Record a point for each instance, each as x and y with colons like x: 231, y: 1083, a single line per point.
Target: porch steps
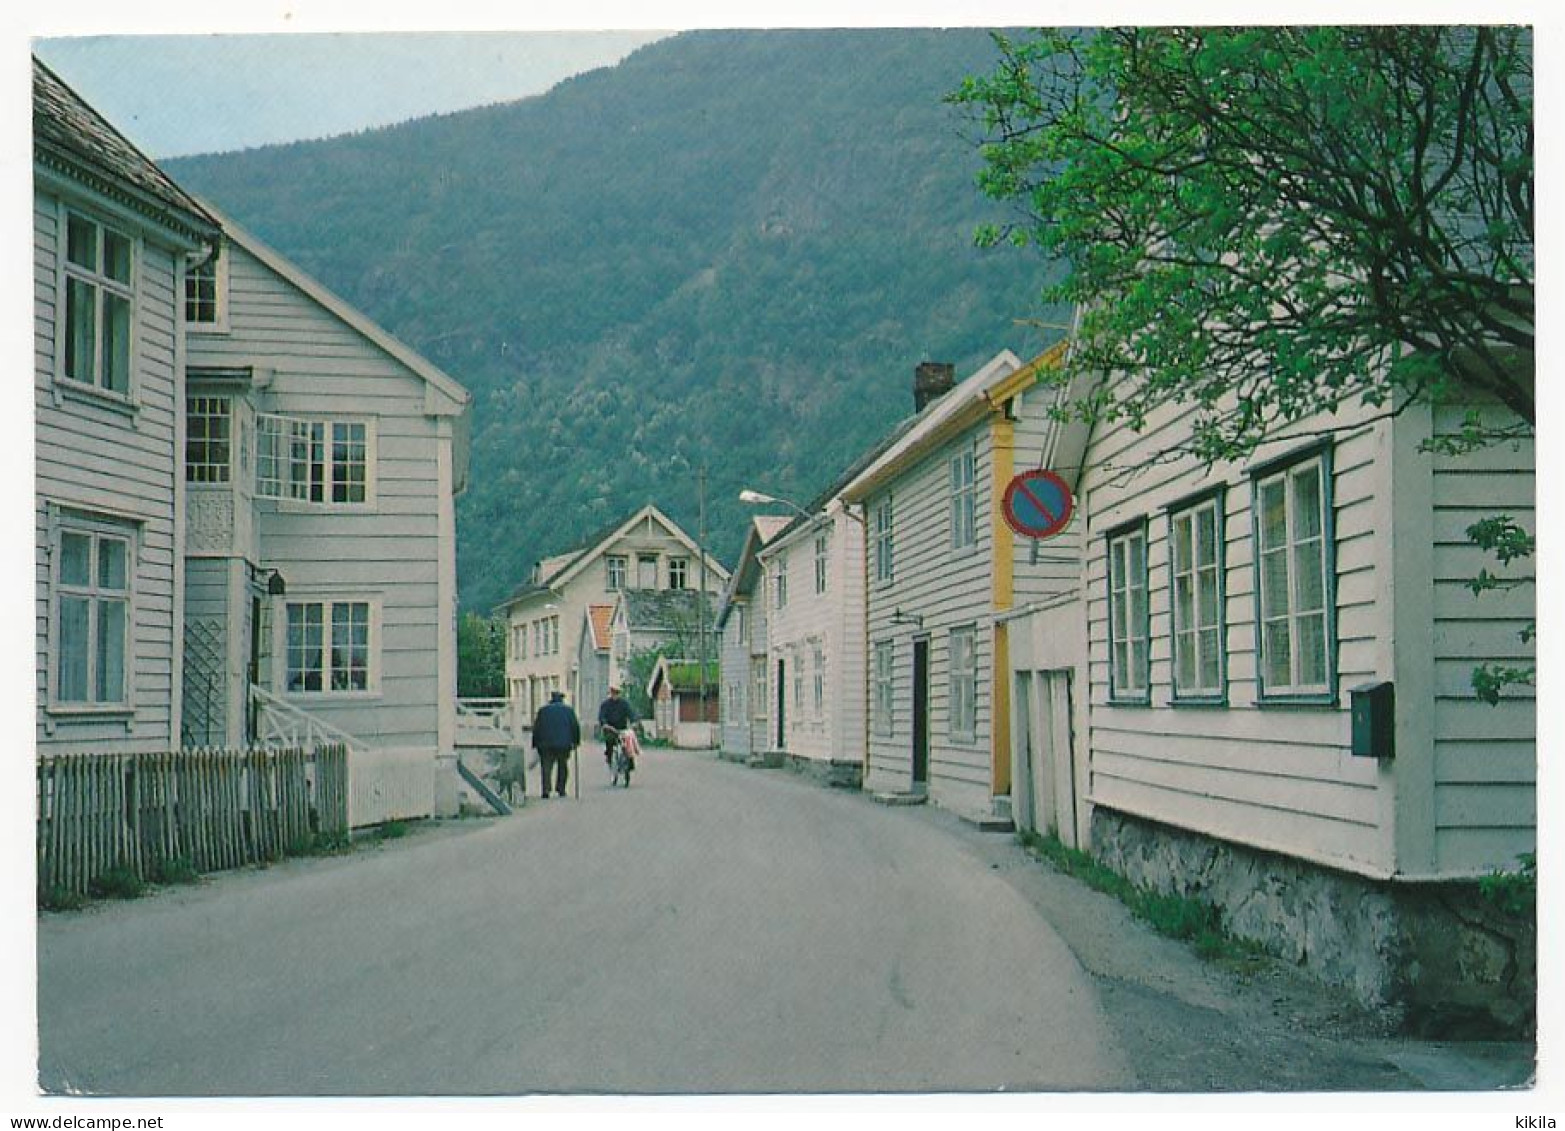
x: 481, y: 787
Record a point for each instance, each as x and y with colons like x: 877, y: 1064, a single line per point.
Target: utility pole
x: 701, y: 597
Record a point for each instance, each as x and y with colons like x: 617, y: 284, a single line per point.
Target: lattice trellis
x: 206, y: 681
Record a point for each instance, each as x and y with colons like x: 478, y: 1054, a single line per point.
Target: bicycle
x: 622, y: 758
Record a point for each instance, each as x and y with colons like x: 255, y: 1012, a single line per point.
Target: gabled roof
x: 958, y: 409
x: 763, y: 528
x: 420, y: 365
x: 588, y: 549
x: 73, y: 139
x: 600, y: 619
x: 684, y: 675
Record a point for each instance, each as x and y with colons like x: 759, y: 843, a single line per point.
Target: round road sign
x: 1038, y: 504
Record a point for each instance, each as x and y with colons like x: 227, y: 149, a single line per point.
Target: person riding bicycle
x: 614, y: 715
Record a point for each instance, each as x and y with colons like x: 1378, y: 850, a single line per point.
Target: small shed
x: 685, y: 702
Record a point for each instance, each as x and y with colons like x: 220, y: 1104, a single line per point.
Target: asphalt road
x: 710, y: 930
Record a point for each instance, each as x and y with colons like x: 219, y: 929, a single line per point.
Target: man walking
x: 614, y: 715
x: 556, y: 732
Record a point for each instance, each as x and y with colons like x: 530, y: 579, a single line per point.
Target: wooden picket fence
x: 209, y: 809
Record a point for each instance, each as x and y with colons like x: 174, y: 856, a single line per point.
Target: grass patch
x: 393, y: 830
x: 59, y: 899
x: 118, y: 883
x: 1194, y: 921
x: 177, y: 870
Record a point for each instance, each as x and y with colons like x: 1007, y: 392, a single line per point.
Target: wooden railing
x: 206, y: 809
x: 281, y: 723
x: 484, y: 722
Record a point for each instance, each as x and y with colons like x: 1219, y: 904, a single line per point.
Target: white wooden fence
x: 390, y: 785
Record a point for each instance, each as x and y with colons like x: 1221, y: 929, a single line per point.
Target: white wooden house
x: 113, y: 240
x: 1188, y: 709
x: 813, y: 580
x: 943, y: 569
x: 593, y: 669
x: 646, y: 551
x: 686, y: 702
x: 322, y: 462
x: 741, y: 626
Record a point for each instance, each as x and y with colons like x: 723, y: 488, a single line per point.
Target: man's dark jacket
x: 556, y: 727
x: 615, y: 713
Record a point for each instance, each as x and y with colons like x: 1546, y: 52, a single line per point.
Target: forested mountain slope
x: 730, y: 250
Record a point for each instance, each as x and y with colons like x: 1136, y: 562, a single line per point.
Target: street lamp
x: 749, y: 496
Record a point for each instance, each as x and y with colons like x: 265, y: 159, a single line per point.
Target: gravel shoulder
x: 1191, y: 1025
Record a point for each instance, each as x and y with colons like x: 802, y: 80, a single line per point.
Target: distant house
x: 113, y: 240
x: 1259, y: 693
x: 322, y: 461
x: 685, y: 702
x: 741, y: 629
x: 676, y: 623
x: 943, y: 569
x: 645, y: 552
x: 593, y: 655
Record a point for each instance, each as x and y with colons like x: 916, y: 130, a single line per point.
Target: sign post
x: 1038, y: 504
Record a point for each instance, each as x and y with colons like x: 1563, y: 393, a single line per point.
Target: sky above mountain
x: 237, y: 91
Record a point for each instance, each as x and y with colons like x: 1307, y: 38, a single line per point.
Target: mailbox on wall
x: 1373, y: 707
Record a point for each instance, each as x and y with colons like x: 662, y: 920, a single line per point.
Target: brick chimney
x: 930, y: 380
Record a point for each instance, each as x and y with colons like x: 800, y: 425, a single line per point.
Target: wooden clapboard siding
x: 391, y: 551
x: 734, y: 661
x: 98, y: 458
x: 948, y: 588
x: 1275, y: 777
x: 835, y: 619
x: 1485, y: 807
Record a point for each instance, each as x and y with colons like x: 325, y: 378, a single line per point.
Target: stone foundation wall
x: 1445, y: 961
x: 833, y: 772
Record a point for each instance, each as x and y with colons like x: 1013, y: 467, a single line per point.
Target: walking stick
x: 576, y: 762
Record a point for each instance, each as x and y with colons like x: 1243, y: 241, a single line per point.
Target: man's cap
x: 556, y: 695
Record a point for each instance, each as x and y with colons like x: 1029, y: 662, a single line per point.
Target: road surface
x: 710, y: 930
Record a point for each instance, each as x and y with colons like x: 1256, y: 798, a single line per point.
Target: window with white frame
x: 964, y: 683
x: 616, y: 564
x: 99, y: 304
x: 818, y: 678
x: 1195, y: 574
x: 884, y: 567
x: 206, y: 306
x: 1129, y: 666
x: 92, y: 615
x: 314, y: 461
x: 758, y: 698
x: 647, y: 571
x: 822, y: 560
x: 781, y: 583
x: 964, y: 493
x: 798, y: 687
x: 678, y: 573
x: 1294, y: 568
x: 881, y: 704
x: 329, y: 646
x: 208, y: 439
x: 519, y: 642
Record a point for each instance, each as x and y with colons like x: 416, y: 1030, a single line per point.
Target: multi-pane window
x: 818, y: 678
x: 964, y: 683
x: 882, y: 540
x: 647, y: 571
x: 1128, y: 616
x: 963, y: 475
x: 208, y: 439
x: 822, y: 553
x: 798, y: 687
x: 758, y: 687
x: 781, y: 583
x: 616, y: 566
x: 1195, y: 573
x: 93, y: 618
x: 99, y: 300
x: 881, y: 704
x: 678, y: 573
x: 328, y: 646
x: 1294, y: 579
x: 203, y: 294
x: 312, y: 461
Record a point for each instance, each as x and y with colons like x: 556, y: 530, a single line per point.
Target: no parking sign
x: 1038, y: 504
